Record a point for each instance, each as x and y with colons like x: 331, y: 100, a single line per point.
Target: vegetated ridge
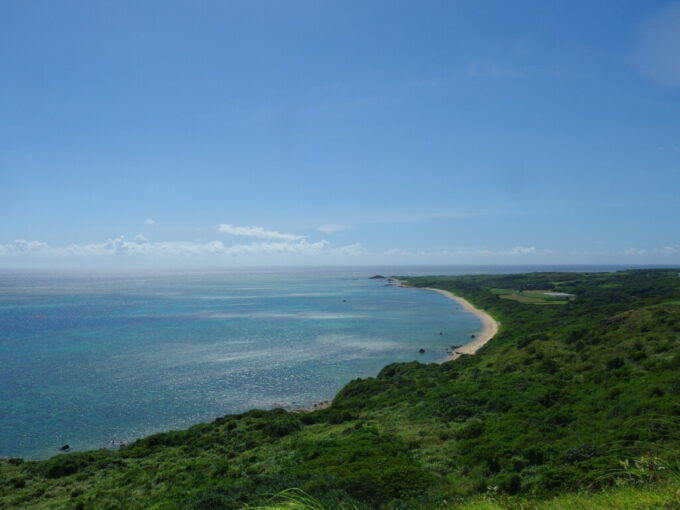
x: 579, y: 395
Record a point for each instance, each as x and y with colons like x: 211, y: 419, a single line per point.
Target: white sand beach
x: 489, y: 325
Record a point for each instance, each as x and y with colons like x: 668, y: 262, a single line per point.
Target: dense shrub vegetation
x: 576, y: 395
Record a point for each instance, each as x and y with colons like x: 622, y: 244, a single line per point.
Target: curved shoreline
x: 489, y: 325
x: 489, y: 330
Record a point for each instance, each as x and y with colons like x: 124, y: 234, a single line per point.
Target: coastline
x: 489, y: 325
x: 489, y: 330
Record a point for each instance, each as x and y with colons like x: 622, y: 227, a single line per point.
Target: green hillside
x: 569, y: 403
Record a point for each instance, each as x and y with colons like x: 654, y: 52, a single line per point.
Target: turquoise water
x: 87, y: 359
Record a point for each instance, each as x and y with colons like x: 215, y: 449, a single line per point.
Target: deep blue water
x: 88, y: 358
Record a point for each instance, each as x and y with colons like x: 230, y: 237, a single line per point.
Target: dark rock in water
x: 422, y: 351
x: 377, y: 277
x: 472, y: 336
x: 65, y: 448
x: 440, y: 333
x: 344, y: 301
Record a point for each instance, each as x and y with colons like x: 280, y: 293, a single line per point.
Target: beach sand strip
x: 489, y: 325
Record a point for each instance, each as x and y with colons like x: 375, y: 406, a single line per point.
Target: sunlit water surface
x: 92, y: 358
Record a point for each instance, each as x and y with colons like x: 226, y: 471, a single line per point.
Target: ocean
x: 90, y: 359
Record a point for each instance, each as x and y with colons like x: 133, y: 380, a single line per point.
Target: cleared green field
x: 534, y: 301
x: 535, y: 297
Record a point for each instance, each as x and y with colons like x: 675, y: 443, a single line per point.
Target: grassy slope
x: 637, y: 498
x: 554, y: 403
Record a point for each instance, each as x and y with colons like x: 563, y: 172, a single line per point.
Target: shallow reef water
x: 91, y: 359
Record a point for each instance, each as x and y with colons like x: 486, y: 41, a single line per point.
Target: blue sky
x: 314, y: 132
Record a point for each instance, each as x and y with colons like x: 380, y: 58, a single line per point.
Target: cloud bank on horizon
x: 293, y: 248
x: 218, y: 250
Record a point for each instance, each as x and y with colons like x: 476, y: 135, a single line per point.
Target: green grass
x: 523, y: 298
x: 631, y: 498
x: 620, y: 498
x: 537, y: 297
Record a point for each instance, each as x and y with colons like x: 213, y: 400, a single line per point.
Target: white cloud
x: 22, y: 246
x: 398, y: 252
x: 150, y: 222
x: 140, y: 245
x: 352, y: 249
x: 462, y: 251
x: 467, y: 252
x: 520, y: 250
x: 330, y: 228
x: 669, y: 250
x: 664, y: 250
x: 586, y: 253
x: 658, y: 46
x: 257, y: 232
